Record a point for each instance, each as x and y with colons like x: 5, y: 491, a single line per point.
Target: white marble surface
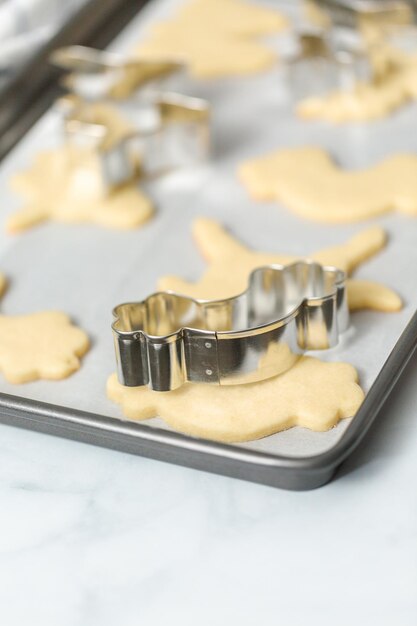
x: 93, y: 537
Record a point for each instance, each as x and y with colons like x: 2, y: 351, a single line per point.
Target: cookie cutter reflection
x: 169, y: 339
x: 120, y: 109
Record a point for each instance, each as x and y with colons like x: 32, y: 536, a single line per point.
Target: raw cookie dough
x: 230, y: 263
x: 312, y: 394
x: 307, y: 181
x: 65, y: 185
x: 369, y: 100
x: 42, y: 345
x: 216, y: 38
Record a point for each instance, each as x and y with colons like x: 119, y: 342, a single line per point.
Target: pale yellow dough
x: 230, y: 263
x: 371, y: 100
x: 308, y: 182
x: 41, y: 345
x: 216, y: 38
x: 312, y: 394
x: 65, y: 185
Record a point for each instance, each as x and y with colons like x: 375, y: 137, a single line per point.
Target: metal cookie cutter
x: 326, y: 60
x: 170, y: 339
x: 353, y: 13
x: 119, y: 108
x: 344, y: 50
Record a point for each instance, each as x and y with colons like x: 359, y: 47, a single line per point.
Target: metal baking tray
x: 85, y: 270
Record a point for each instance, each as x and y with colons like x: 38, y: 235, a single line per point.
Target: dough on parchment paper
x: 44, y: 345
x: 64, y: 184
x: 310, y: 183
x: 312, y: 394
x: 216, y: 38
x: 230, y: 263
x: 371, y: 100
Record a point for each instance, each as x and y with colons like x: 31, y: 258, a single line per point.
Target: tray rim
x: 288, y: 472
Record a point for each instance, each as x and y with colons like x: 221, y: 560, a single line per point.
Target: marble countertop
x: 94, y: 537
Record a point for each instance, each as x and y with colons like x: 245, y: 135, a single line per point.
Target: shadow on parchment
x: 387, y: 435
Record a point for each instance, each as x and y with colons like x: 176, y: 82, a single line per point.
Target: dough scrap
x: 65, y: 185
x: 230, y: 263
x: 41, y: 345
x: 312, y: 394
x: 216, y: 38
x: 369, y: 100
x: 308, y: 182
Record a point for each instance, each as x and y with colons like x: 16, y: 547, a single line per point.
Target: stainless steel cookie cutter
x: 345, y: 49
x: 323, y: 60
x: 352, y: 13
x: 169, y: 339
x: 119, y: 107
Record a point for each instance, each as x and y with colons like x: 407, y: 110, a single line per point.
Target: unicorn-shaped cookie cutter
x: 169, y: 339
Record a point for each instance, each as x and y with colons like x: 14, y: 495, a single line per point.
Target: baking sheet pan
x: 85, y: 270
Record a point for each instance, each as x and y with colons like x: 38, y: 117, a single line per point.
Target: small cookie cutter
x: 338, y: 55
x: 169, y: 339
x: 118, y: 108
x: 351, y: 13
x: 324, y: 60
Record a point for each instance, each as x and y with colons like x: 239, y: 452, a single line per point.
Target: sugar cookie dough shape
x: 307, y: 181
x: 64, y: 185
x: 230, y: 263
x: 312, y: 394
x: 43, y: 345
x: 371, y: 71
x: 216, y: 38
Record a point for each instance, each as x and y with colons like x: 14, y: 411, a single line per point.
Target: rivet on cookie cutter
x: 119, y: 107
x: 170, y: 339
